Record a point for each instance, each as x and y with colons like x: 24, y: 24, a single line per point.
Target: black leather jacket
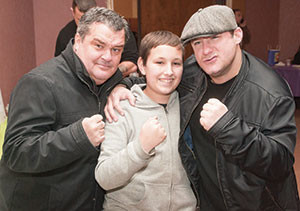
x: 48, y: 162
x: 254, y: 140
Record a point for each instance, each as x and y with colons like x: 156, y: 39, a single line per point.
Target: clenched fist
x: 152, y: 134
x: 212, y: 111
x: 94, y: 129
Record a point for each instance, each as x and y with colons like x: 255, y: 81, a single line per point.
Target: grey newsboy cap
x: 209, y: 21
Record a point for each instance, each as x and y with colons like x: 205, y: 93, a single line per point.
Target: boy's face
x: 163, y: 72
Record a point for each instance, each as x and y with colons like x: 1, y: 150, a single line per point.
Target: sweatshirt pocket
x: 156, y: 197
x: 140, y: 196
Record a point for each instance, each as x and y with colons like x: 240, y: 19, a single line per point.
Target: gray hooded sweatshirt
x: 134, y: 179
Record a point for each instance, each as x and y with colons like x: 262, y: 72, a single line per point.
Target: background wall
x: 262, y: 21
x: 273, y: 24
x: 50, y: 16
x: 17, y: 43
x: 28, y: 34
x: 289, y: 28
x: 169, y: 15
x: 127, y: 8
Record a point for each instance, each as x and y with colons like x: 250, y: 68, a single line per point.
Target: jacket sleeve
x: 130, y: 81
x: 32, y: 145
x: 265, y: 150
x: 120, y: 158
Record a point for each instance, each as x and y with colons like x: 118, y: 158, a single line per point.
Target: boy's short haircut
x: 156, y: 38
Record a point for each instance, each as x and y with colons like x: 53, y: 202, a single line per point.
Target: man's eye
x: 116, y: 50
x: 159, y: 62
x: 99, y: 46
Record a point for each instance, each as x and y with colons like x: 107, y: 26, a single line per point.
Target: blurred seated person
x: 242, y: 23
x: 128, y: 63
x: 296, y: 59
x: 79, y: 7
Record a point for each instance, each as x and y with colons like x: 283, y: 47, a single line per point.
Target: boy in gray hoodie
x: 139, y: 164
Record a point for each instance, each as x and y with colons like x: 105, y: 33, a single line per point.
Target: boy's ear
x: 141, y: 65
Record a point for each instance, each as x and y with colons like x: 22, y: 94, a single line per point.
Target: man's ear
x: 238, y: 35
x: 77, y: 40
x: 73, y: 12
x: 141, y: 65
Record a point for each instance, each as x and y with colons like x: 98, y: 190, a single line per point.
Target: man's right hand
x: 113, y: 102
x: 94, y: 129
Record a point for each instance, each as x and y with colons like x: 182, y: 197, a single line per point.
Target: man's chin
x: 103, y: 77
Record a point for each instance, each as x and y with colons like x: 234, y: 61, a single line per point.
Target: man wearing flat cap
x: 238, y: 115
x: 238, y: 130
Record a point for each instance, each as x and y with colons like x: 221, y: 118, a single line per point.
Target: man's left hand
x: 212, y: 111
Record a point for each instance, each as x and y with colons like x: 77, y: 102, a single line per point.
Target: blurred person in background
x: 296, y: 59
x: 242, y: 23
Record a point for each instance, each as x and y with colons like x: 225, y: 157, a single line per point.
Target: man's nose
x: 107, y: 55
x: 206, y: 48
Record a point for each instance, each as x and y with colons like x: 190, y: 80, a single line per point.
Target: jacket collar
x: 239, y: 79
x: 143, y: 101
x: 78, y: 69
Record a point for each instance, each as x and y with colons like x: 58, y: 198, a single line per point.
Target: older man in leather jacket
x: 56, y: 122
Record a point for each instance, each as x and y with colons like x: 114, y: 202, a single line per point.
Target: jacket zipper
x: 217, y: 169
x: 218, y: 176
x: 165, y: 110
x: 233, y: 87
x: 195, y: 105
x: 190, y: 90
x: 92, y: 91
x: 272, y: 197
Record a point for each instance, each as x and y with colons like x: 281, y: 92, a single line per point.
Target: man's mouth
x: 104, y: 66
x: 210, y: 59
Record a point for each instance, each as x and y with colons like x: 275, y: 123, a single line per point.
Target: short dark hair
x: 102, y: 15
x: 236, y: 10
x: 156, y: 38
x: 83, y: 5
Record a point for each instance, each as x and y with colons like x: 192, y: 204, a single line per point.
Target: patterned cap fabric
x: 209, y: 21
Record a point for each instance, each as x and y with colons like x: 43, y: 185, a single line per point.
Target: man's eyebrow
x: 98, y: 40
x: 120, y: 46
x: 104, y: 43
